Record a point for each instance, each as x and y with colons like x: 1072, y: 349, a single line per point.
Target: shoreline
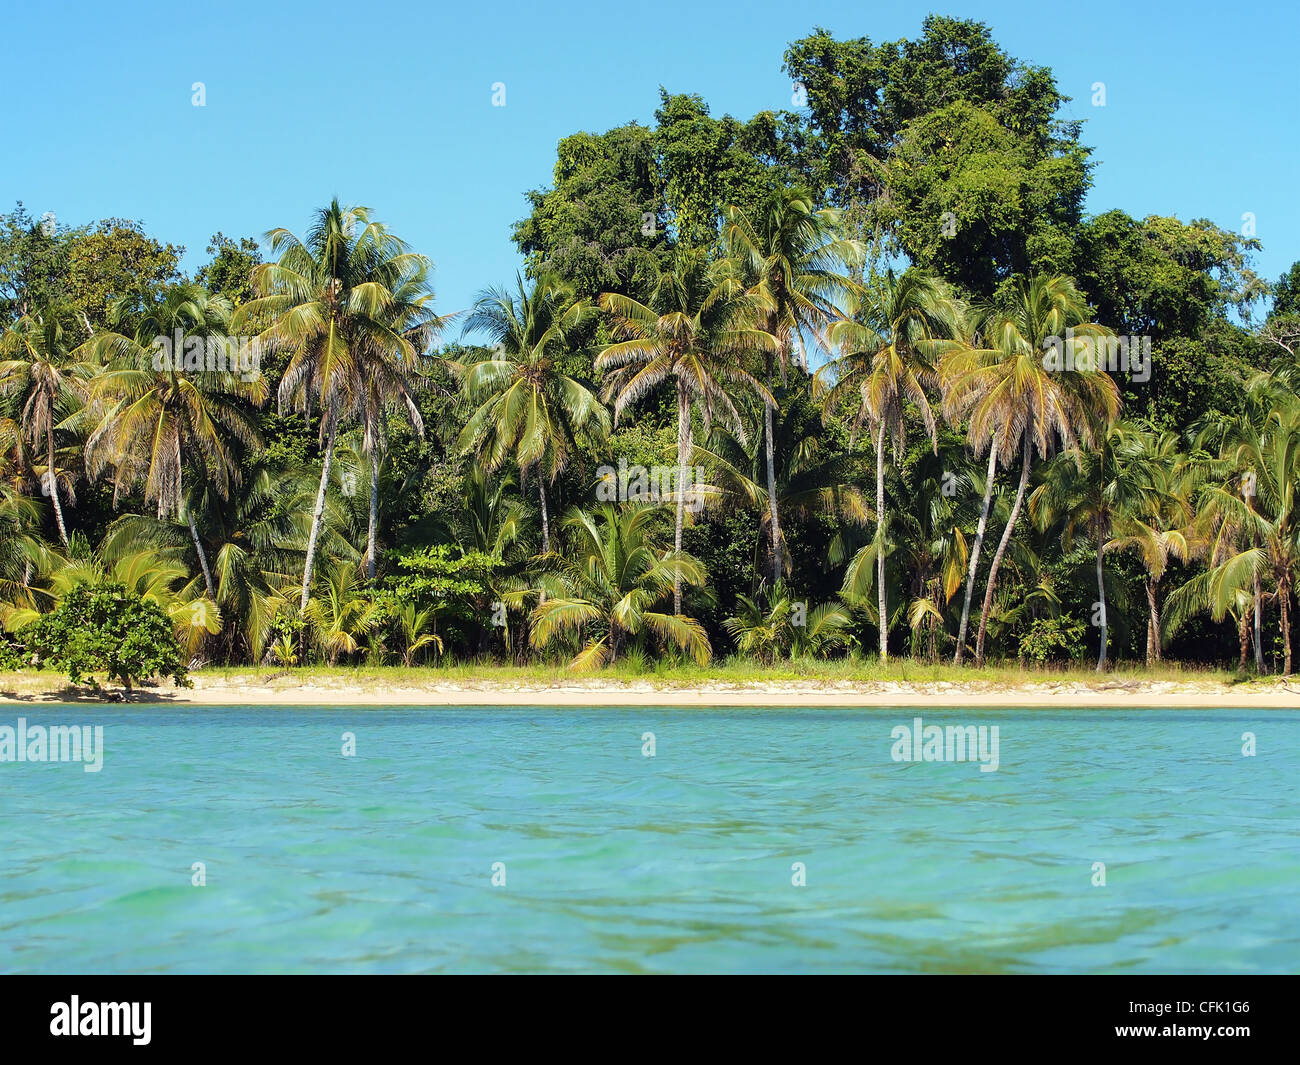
x: 289, y: 692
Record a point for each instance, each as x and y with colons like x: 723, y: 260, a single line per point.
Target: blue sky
x: 389, y: 105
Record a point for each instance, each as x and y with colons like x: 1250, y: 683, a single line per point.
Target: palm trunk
x: 546, y: 528
x: 975, y: 556
x: 683, y: 445
x: 52, y: 483
x: 1101, y: 596
x: 1284, y: 599
x: 1153, y: 624
x: 546, y: 518
x: 1002, y: 546
x: 1243, y: 633
x: 880, y: 543
x: 319, y: 512
x: 1259, y: 643
x: 203, y: 555
x: 778, y: 563
x: 374, y: 510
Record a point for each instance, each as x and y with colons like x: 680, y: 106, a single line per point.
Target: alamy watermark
x: 950, y: 743
x: 213, y: 354
x: 653, y: 484
x: 1109, y: 353
x: 53, y: 743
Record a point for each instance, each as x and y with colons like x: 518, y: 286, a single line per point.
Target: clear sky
x: 389, y: 104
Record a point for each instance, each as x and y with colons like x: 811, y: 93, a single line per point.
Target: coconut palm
x: 155, y: 414
x: 1096, y: 488
x: 695, y: 325
x: 44, y: 374
x: 1254, y: 512
x: 416, y: 624
x: 887, y: 361
x: 1156, y: 526
x: 1014, y: 400
x: 328, y: 300
x: 493, y: 517
x: 809, y: 482
x: 341, y: 616
x: 615, y: 574
x: 792, y: 257
x: 782, y: 626
x: 24, y: 556
x: 255, y: 551
x: 526, y: 406
x: 390, y: 378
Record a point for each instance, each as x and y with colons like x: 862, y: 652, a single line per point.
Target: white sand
x: 287, y: 691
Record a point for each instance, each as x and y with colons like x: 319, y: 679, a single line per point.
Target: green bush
x: 1053, y: 639
x: 104, y: 628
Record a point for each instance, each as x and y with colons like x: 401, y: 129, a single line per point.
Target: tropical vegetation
x: 872, y: 382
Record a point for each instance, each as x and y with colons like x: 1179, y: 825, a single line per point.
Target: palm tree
x: 1095, y: 488
x: 1014, y: 401
x: 329, y: 301
x: 391, y: 379
x: 341, y: 616
x: 1157, y: 525
x: 41, y: 374
x: 525, y: 403
x: 886, y: 364
x: 155, y: 417
x: 809, y: 482
x: 1255, y: 514
x: 416, y: 624
x: 791, y: 257
x: 782, y: 626
x: 24, y: 556
x: 692, y: 330
x: 493, y: 518
x: 616, y: 574
x: 255, y: 552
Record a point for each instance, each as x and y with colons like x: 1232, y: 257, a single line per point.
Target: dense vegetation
x: 860, y: 378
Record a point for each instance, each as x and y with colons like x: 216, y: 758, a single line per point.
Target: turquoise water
x: 383, y: 862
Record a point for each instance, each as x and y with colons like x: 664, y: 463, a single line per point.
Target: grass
x: 736, y: 671
x: 669, y: 675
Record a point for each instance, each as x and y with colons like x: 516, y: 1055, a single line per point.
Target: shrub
x: 104, y: 628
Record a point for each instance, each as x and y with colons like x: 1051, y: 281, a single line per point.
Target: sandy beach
x: 289, y: 690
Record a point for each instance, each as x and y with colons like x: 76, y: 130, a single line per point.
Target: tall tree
x: 889, y: 351
x: 325, y: 300
x: 692, y: 330
x: 46, y: 379
x: 1015, y: 400
x: 525, y: 405
x: 793, y: 258
x: 164, y: 403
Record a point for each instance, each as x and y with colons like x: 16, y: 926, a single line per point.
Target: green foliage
x: 1286, y: 293
x: 1160, y: 277
x: 440, y: 573
x: 33, y: 262
x: 588, y: 228
x: 229, y: 272
x: 107, y: 629
x: 711, y: 291
x: 1053, y: 639
x: 976, y: 201
x: 705, y: 167
x: 113, y: 261
x: 862, y: 97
